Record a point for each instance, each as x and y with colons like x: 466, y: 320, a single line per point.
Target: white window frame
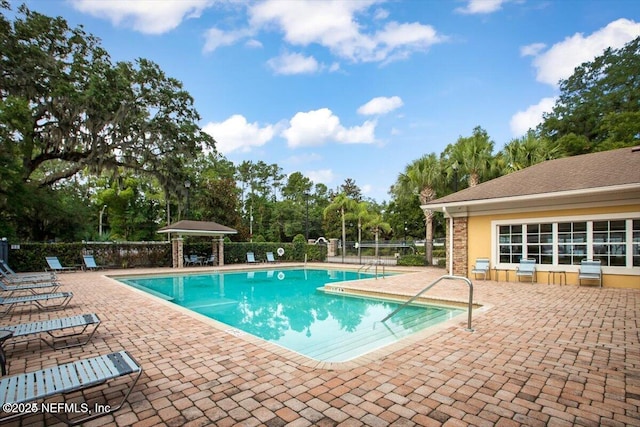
x: 589, y: 219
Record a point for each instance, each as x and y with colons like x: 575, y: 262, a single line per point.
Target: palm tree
x: 526, y: 151
x: 377, y: 224
x: 343, y: 204
x: 422, y: 177
x: 474, y: 155
x: 361, y: 214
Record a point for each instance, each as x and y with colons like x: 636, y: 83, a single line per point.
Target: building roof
x: 606, y: 170
x: 197, y: 228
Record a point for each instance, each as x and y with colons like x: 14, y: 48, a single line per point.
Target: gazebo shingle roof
x: 197, y: 227
x: 588, y: 171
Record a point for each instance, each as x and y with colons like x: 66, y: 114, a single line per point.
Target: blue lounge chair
x: 527, y: 268
x: 77, y: 325
x: 11, y: 277
x: 482, y: 266
x: 590, y: 270
x: 90, y: 263
x: 251, y: 258
x: 39, y: 300
x: 54, y: 264
x: 78, y: 376
x: 270, y: 257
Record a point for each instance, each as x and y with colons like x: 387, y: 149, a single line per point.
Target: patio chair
x: 527, y: 268
x: 54, y: 264
x: 79, y: 376
x: 39, y: 300
x: 211, y: 260
x: 590, y: 270
x: 11, y: 277
x: 251, y: 258
x: 195, y: 259
x: 30, y: 287
x: 90, y: 263
x: 77, y: 325
x: 270, y: 257
x: 187, y: 261
x: 482, y: 266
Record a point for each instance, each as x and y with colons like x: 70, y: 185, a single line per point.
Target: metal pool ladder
x: 431, y: 285
x: 375, y: 263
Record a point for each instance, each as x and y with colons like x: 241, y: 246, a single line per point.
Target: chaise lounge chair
x: 527, y: 268
x: 270, y: 258
x: 90, y: 263
x: 54, y: 264
x: 11, y: 277
x: 81, y: 375
x: 251, y: 258
x: 39, y: 300
x: 482, y: 266
x: 77, y: 325
x: 29, y: 287
x: 590, y: 270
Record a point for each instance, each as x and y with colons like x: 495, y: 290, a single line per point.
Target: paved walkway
x: 540, y: 355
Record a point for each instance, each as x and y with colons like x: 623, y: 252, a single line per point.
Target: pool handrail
x: 431, y: 285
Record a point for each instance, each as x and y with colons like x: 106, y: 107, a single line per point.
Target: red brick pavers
x: 539, y: 355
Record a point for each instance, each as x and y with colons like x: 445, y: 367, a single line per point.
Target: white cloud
x: 150, y: 17
x: 334, y: 26
x: 560, y: 61
x: 481, y: 6
x: 324, y: 176
x: 320, y: 126
x: 532, y: 50
x: 293, y: 63
x: 235, y: 134
x: 215, y: 38
x: 522, y: 121
x: 380, y: 105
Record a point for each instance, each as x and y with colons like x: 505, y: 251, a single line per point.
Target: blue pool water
x: 285, y: 307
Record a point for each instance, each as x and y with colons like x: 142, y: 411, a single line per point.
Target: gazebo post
x: 177, y: 252
x: 221, y: 250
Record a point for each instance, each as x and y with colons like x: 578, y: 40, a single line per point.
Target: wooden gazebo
x: 196, y: 228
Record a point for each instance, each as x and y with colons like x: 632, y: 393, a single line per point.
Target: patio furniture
x: 54, y: 264
x: 251, y: 258
x: 590, y: 270
x: 482, y: 266
x: 90, y: 263
x: 39, y: 300
x: 75, y: 325
x: 81, y: 375
x: 29, y: 287
x: 527, y: 268
x: 211, y: 260
x: 270, y: 257
x: 187, y: 261
x: 195, y: 259
x: 11, y: 277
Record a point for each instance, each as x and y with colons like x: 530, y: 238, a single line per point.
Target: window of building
x: 572, y: 242
x: 636, y: 242
x: 609, y: 242
x: 540, y: 243
x: 510, y: 243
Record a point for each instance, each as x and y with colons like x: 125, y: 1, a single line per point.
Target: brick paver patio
x: 539, y: 355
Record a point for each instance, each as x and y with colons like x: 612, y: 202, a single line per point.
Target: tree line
x: 92, y: 149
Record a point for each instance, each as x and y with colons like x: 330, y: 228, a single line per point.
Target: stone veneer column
x: 221, y: 251
x: 177, y: 252
x: 460, y: 247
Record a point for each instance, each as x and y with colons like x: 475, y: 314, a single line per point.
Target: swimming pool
x: 286, y: 308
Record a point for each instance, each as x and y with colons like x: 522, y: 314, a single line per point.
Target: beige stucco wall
x: 479, y: 243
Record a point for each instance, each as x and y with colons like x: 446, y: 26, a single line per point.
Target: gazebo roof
x: 197, y: 228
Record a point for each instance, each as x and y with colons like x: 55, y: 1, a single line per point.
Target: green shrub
x: 412, y: 260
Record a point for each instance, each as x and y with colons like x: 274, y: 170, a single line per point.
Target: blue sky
x: 358, y: 89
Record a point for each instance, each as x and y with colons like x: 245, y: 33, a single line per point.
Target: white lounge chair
x: 251, y: 258
x: 11, y: 277
x: 54, y: 264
